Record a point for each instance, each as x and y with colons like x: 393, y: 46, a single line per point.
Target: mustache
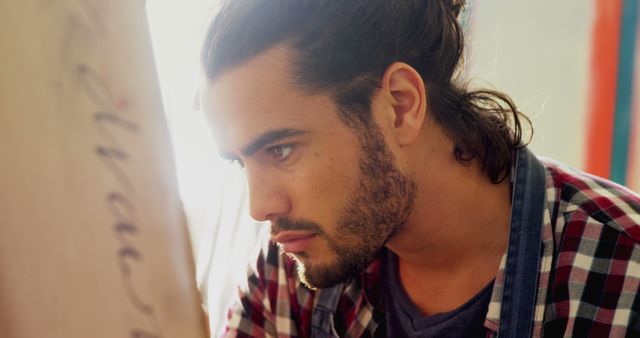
x: 284, y: 224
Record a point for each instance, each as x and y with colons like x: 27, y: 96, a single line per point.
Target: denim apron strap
x: 524, y: 250
x: 322, y: 317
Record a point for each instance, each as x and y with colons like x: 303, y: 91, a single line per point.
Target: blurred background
x: 572, y: 66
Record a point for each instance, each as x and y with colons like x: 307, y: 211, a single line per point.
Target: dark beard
x: 378, y: 210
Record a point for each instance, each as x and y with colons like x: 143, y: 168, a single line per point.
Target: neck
x: 457, y: 225
x: 452, y: 244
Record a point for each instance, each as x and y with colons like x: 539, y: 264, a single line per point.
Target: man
x: 406, y: 204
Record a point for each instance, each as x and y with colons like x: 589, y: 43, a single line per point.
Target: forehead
x: 261, y: 95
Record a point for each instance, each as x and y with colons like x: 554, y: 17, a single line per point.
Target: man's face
x: 332, y: 193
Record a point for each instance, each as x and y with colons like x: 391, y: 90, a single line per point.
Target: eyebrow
x: 266, y: 138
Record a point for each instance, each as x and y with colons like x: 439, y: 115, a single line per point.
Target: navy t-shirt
x: 404, y: 319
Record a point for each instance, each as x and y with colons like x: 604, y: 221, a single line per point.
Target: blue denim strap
x: 322, y: 317
x: 524, y: 250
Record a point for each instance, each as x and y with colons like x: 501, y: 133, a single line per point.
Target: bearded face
x: 378, y: 208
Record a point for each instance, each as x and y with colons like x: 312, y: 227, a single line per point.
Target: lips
x: 293, y: 241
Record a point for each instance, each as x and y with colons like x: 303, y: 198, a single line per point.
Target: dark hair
x: 344, y: 47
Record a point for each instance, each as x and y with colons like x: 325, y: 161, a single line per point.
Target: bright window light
x: 212, y: 191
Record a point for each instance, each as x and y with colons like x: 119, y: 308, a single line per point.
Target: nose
x: 268, y: 199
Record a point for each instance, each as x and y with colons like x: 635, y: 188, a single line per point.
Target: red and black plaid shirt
x: 588, y: 282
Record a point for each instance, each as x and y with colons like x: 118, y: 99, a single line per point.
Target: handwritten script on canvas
x: 84, y: 33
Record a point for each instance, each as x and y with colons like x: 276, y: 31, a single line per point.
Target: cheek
x: 327, y: 183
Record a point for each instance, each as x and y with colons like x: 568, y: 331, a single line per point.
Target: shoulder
x: 593, y: 275
x: 578, y: 197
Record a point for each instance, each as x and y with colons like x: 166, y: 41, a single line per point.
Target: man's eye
x: 280, y: 153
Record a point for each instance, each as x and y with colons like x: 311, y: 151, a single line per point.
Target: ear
x: 407, y: 95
